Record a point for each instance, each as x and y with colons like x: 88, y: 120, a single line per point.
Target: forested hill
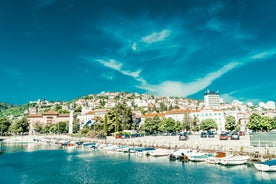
x: 4, y: 106
x: 10, y: 109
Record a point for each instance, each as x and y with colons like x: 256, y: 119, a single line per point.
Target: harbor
x: 28, y: 159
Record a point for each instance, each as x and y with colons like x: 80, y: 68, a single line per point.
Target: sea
x: 42, y: 163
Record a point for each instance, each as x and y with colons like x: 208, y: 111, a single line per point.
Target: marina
x: 37, y: 162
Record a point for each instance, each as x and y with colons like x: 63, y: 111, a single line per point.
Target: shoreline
x: 241, y: 146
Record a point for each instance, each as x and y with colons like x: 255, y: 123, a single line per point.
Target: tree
x: 19, y: 126
x: 61, y: 127
x: 273, y: 123
x: 105, y: 128
x: 186, y: 123
x: 230, y: 123
x: 208, y: 124
x: 254, y: 122
x: 265, y: 124
x: 38, y: 127
x: 167, y: 124
x: 177, y: 126
x: 119, y: 118
x: 151, y: 124
x: 4, y: 125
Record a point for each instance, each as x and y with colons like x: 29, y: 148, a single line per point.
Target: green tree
x: 187, y: 122
x: 208, y: 124
x: 38, y: 127
x: 61, y: 127
x: 254, y: 122
x: 230, y: 123
x: 19, y: 126
x: 273, y: 123
x: 177, y: 126
x: 119, y: 118
x: 265, y: 124
x: 167, y: 125
x: 151, y: 124
x: 4, y: 125
x: 105, y: 128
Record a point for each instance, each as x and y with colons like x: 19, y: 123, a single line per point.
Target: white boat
x: 160, y: 153
x: 181, y: 153
x: 121, y: 148
x: 269, y: 165
x: 201, y: 157
x: 218, y: 157
x: 234, y: 160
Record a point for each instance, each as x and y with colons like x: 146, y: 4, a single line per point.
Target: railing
x: 263, y: 143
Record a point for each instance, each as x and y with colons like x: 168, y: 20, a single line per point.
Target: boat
x: 160, y: 153
x: 202, y: 157
x: 89, y: 145
x: 218, y: 157
x: 121, y: 148
x: 234, y: 160
x: 181, y: 154
x: 269, y: 165
x: 139, y: 149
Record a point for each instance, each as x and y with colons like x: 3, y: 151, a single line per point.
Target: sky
x: 66, y: 49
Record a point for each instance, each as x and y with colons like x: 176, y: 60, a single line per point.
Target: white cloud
x: 178, y: 88
x: 263, y: 55
x: 111, y: 64
x: 115, y: 65
x: 134, y: 46
x: 156, y: 37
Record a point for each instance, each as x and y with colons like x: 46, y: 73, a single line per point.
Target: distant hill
x: 4, y: 106
x: 10, y: 109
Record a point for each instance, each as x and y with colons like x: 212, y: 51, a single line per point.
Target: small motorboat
x: 218, y: 157
x: 269, y: 165
x: 234, y: 160
x: 200, y: 157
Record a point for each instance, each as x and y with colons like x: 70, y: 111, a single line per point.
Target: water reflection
x: 265, y: 175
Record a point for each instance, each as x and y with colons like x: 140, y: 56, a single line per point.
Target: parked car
x: 235, y: 136
x: 183, y: 136
x: 241, y: 133
x: 211, y: 134
x: 223, y: 136
x: 203, y: 134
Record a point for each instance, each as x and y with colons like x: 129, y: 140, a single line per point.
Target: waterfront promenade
x: 241, y: 146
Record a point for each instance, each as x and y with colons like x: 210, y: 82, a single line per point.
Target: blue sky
x: 65, y: 49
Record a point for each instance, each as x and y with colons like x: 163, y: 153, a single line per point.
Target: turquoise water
x: 35, y: 163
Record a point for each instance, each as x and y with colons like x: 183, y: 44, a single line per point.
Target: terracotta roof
x: 64, y: 115
x: 150, y: 115
x: 90, y: 113
x: 34, y: 116
x: 178, y: 111
x: 50, y: 113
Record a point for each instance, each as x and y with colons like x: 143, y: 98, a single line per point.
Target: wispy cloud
x: 263, y: 55
x: 227, y: 29
x: 156, y: 37
x: 115, y: 65
x: 178, y: 88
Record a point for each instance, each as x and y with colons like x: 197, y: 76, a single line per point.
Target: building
x: 215, y: 114
x: 88, y: 118
x: 212, y: 99
x: 47, y: 118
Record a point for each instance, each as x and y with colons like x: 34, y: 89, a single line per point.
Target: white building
x: 215, y: 114
x: 212, y: 99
